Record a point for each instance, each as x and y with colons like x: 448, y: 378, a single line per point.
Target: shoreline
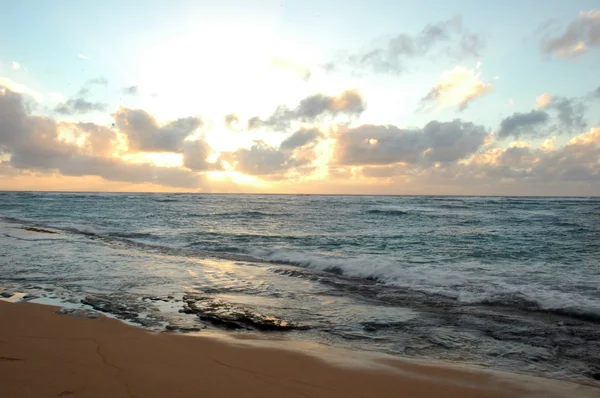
x: 45, y: 353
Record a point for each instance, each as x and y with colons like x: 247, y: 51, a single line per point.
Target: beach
x: 506, y: 284
x: 43, y: 353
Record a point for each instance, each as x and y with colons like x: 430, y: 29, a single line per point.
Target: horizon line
x: 301, y: 194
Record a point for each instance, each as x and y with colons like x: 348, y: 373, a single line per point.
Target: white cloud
x: 542, y: 100
x: 299, y: 70
x: 20, y: 88
x: 457, y: 87
x: 83, y: 56
x: 16, y: 65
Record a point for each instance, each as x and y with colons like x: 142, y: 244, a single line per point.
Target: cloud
x: 570, y: 113
x: 522, y: 123
x: 301, y: 138
x: 33, y: 143
x: 79, y: 106
x: 16, y: 65
x: 83, y: 56
x: 195, y: 154
x: 20, y: 88
x: 131, y: 90
x: 310, y: 109
x: 295, y: 153
x: 457, y: 87
x: 144, y: 134
x: 444, y: 38
x: 573, y: 168
x: 301, y: 71
x: 88, y: 85
x: 383, y: 145
x: 580, y: 35
x: 100, y: 80
x: 261, y: 159
x: 232, y: 121
x: 100, y: 140
x: 576, y: 161
x: 542, y: 101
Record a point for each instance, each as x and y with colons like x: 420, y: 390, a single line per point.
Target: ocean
x: 510, y: 283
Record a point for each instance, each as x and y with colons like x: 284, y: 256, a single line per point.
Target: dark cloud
x: 79, y: 106
x: 89, y: 85
x: 311, y: 109
x: 118, y: 170
x: 261, y: 159
x: 232, y: 121
x: 144, y: 134
x: 33, y: 143
x: 301, y: 138
x: 131, y: 90
x: 195, y: 154
x: 522, y: 123
x: 14, y: 127
x: 444, y: 38
x: 580, y: 35
x: 436, y: 142
x: 576, y: 161
x: 515, y: 169
x: 570, y: 113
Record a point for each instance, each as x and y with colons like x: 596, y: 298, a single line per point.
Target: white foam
x: 467, y: 282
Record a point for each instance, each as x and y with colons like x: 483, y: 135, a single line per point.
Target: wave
x: 524, y: 302
x: 388, y: 212
x: 165, y: 200
x: 132, y: 235
x: 85, y: 230
x: 453, y: 206
x: 248, y: 214
x: 462, y: 284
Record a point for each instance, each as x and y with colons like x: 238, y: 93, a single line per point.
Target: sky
x: 332, y: 97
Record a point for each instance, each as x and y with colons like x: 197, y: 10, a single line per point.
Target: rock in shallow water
x: 34, y: 229
x: 229, y: 316
x: 106, y: 303
x: 78, y: 312
x: 184, y: 328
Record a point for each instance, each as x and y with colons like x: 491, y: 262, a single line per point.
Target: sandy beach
x: 45, y: 354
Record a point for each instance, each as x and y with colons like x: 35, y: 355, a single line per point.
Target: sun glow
x: 158, y: 159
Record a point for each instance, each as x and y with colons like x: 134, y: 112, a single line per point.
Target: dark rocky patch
x: 34, y: 229
x: 108, y: 303
x: 376, y: 326
x: 147, y: 322
x: 229, y: 316
x: 78, y: 312
x: 158, y: 298
x: 173, y: 327
x: 7, y: 294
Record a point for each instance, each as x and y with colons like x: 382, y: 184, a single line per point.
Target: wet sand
x: 44, y: 354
